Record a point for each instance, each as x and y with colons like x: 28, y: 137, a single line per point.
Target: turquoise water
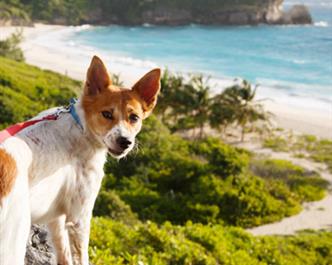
x: 297, y: 59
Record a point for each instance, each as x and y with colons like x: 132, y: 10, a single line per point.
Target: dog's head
x: 114, y: 115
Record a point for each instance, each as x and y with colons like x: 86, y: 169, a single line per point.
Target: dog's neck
x: 86, y: 134
x: 64, y: 137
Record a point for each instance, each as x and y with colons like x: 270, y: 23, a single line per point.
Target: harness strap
x: 14, y: 129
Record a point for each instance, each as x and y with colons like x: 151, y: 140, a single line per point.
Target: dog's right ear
x: 97, y: 78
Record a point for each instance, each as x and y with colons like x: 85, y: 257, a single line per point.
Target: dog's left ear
x: 148, y: 88
x: 97, y: 78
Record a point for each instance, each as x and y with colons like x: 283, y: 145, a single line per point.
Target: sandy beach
x: 69, y: 60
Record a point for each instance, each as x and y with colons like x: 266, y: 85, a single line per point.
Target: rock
x: 274, y: 12
x: 298, y: 14
x: 39, y: 250
x: 238, y: 18
x: 166, y: 16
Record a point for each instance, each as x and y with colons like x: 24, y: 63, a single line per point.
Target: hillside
x: 177, y: 201
x: 158, y: 12
x: 26, y: 90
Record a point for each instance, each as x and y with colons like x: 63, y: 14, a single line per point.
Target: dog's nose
x: 123, y: 142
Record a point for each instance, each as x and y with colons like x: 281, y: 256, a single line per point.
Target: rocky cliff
x: 225, y: 12
x: 157, y: 12
x: 270, y: 12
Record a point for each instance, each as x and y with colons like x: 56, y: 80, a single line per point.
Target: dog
x: 51, y: 170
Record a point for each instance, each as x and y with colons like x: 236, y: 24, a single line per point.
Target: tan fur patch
x: 8, y: 172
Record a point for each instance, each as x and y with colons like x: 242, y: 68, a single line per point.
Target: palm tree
x: 248, y: 111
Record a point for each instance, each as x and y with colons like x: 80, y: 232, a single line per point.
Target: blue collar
x: 73, y: 112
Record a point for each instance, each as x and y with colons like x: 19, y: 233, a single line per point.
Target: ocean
x: 293, y: 62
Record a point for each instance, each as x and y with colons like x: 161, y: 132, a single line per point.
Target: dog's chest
x: 68, y: 188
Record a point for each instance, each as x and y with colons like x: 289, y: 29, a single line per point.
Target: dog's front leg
x: 79, y: 233
x: 61, y: 240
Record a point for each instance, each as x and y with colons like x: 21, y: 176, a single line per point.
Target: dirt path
x: 315, y: 215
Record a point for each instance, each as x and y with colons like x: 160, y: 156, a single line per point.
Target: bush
x: 112, y: 242
x: 306, y: 185
x: 9, y: 47
x: 205, y: 181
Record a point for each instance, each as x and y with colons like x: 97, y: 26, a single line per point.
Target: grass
x: 26, y: 90
x: 306, y: 185
x: 303, y: 146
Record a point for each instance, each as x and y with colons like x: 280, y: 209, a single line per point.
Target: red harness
x: 14, y: 129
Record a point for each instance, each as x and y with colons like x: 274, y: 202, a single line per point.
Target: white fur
x: 60, y: 168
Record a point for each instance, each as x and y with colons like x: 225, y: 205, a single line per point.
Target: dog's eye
x: 133, y: 118
x: 107, y: 115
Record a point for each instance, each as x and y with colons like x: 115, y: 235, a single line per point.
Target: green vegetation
x: 303, y: 146
x: 174, y: 200
x: 189, y: 105
x: 15, y: 11
x: 306, y: 185
x: 9, y: 47
x: 206, y: 181
x: 26, y: 90
x: 113, y: 242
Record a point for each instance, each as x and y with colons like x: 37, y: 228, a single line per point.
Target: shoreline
x: 66, y: 59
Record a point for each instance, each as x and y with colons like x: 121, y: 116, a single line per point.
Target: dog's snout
x: 123, y: 142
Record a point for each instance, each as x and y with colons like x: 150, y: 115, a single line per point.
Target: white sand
x: 68, y: 59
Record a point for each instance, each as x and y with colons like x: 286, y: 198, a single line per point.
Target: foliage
x: 9, y: 47
x: 26, y: 90
x: 112, y: 242
x: 184, y: 104
x: 187, y: 103
x: 206, y: 181
x: 14, y: 11
x: 239, y: 106
x: 307, y: 185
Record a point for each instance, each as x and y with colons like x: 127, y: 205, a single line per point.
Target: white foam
x: 322, y: 24
x: 299, y: 61
x: 133, y: 61
x: 82, y: 27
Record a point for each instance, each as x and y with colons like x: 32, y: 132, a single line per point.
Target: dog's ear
x: 148, y: 88
x: 97, y: 78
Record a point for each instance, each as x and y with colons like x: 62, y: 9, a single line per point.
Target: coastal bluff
x: 209, y: 12
x: 154, y: 12
x: 267, y: 12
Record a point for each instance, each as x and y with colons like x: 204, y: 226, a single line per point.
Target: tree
x: 240, y: 99
x: 10, y: 47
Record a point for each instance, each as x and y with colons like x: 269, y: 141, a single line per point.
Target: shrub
x: 204, y: 181
x: 10, y: 47
x: 306, y: 185
x: 195, y: 244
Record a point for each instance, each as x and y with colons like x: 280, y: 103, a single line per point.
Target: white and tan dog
x: 51, y: 172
